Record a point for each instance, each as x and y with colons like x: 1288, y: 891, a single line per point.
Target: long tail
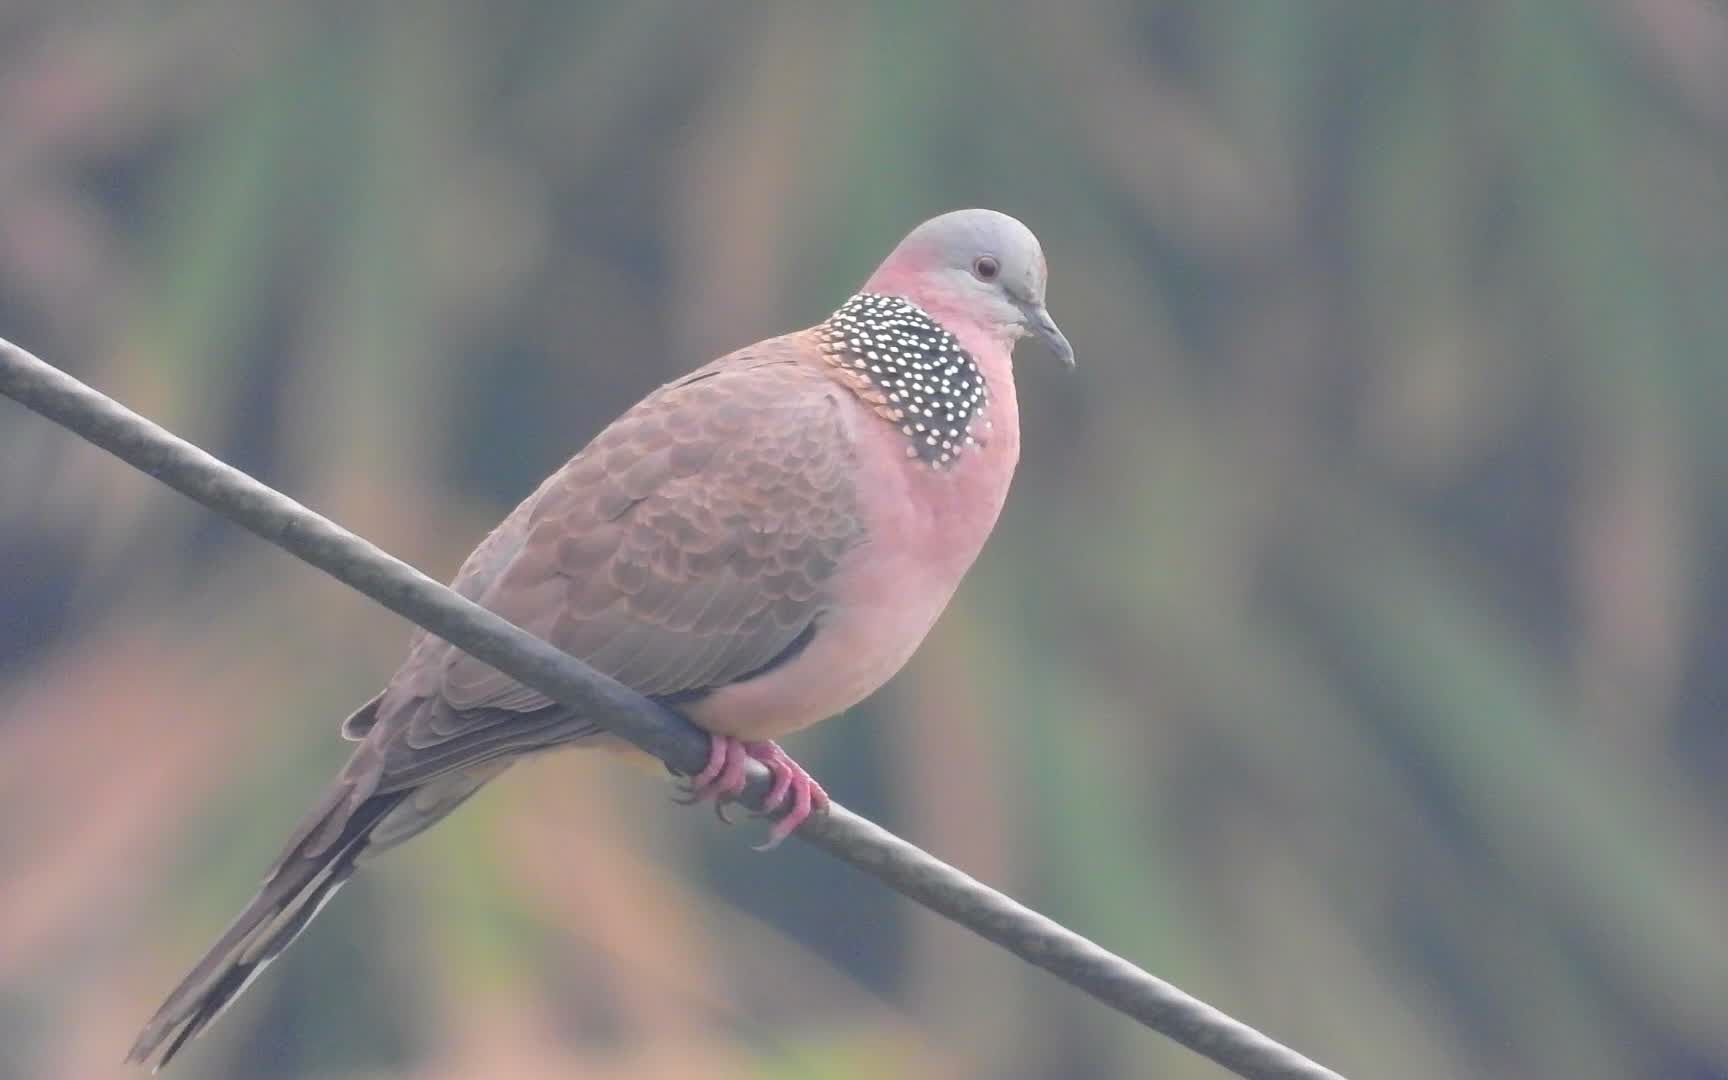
x: 321, y: 856
x: 302, y: 882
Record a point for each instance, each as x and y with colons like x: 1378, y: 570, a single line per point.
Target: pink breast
x: 926, y: 526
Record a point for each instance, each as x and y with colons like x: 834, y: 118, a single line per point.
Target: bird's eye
x: 985, y: 267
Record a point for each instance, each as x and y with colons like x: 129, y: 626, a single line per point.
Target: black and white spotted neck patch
x: 933, y: 388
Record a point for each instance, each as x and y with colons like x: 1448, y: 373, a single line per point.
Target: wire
x: 901, y: 866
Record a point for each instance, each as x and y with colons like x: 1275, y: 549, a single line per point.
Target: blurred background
x: 1353, y: 650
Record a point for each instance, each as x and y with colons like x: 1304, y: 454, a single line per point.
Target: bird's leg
x: 722, y: 778
x: 790, y: 780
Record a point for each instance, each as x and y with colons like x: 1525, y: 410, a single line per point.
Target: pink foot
x: 790, y: 780
x: 722, y: 778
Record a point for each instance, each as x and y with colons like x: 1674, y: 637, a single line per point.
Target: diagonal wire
x: 901, y: 866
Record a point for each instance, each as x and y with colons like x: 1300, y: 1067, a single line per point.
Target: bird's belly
x: 926, y: 531
x: 860, y: 643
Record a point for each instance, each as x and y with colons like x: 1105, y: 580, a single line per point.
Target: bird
x: 758, y: 545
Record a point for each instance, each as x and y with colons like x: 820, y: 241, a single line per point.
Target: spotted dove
x: 759, y: 544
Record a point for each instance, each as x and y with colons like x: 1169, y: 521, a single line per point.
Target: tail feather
x: 353, y: 822
x: 302, y: 882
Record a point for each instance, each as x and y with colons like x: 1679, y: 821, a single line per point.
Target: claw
x: 717, y: 753
x: 790, y: 779
x: 723, y: 778
x: 783, y: 778
x: 691, y: 786
x: 729, y: 779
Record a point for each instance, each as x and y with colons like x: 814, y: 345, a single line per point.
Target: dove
x: 758, y: 545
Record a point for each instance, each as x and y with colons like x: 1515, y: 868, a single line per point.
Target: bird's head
x: 978, y: 267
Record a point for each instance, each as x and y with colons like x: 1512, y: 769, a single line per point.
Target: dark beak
x: 1042, y: 326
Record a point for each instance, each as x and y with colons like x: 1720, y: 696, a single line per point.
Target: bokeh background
x: 1353, y: 650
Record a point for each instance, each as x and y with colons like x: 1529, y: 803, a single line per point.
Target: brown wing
x: 686, y: 547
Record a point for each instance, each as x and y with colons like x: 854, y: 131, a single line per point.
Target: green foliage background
x: 1353, y: 652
